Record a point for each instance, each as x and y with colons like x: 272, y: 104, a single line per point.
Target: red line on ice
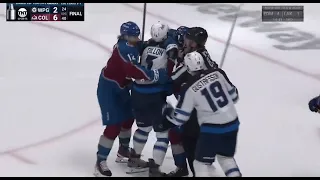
x: 13, y: 152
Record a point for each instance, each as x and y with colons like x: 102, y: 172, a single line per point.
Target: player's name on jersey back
x: 45, y: 12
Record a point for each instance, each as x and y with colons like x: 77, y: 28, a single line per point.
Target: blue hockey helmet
x: 181, y: 31
x: 130, y: 29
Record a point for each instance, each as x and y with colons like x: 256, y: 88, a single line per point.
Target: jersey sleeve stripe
x: 234, y: 94
x: 179, y: 111
x: 233, y: 90
x: 176, y: 121
x: 171, y: 46
x: 235, y: 99
x: 180, y: 121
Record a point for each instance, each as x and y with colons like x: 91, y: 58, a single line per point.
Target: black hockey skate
x: 154, y: 170
x: 123, y: 154
x: 102, y: 170
x: 136, y: 164
x: 179, y: 172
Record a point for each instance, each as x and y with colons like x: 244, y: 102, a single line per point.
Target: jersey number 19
x: 215, y: 90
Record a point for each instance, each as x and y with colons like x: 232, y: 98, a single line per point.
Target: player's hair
x: 197, y: 34
x: 120, y: 37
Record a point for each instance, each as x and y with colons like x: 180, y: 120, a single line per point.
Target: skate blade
x: 178, y: 176
x: 97, y: 174
x: 136, y: 170
x: 121, y: 160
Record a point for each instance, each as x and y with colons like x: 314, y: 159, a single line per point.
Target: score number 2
x: 55, y: 10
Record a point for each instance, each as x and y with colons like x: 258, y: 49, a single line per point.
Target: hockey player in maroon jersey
x: 114, y: 97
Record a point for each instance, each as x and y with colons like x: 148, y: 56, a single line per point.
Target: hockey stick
x: 230, y: 36
x: 144, y: 20
x: 143, y: 25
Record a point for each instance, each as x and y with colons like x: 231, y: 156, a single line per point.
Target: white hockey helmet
x: 194, y: 61
x: 159, y: 31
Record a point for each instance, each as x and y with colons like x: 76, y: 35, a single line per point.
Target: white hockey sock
x: 124, y: 137
x: 140, y: 138
x: 229, y: 166
x: 203, y: 169
x: 104, y: 147
x: 160, y: 147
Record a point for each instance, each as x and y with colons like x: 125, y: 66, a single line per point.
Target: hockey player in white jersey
x: 184, y: 139
x: 212, y: 94
x: 148, y: 99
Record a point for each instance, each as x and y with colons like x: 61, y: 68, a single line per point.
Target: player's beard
x: 133, y: 40
x: 189, y: 46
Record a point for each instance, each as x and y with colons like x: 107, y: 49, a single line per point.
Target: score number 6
x: 55, y: 17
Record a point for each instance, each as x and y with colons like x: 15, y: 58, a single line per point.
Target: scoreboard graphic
x: 282, y: 13
x: 45, y: 12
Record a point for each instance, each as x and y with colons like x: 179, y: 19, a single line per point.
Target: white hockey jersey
x: 153, y: 57
x: 213, y: 96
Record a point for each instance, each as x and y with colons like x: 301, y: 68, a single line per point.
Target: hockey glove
x: 166, y: 124
x: 314, y: 104
x: 167, y: 113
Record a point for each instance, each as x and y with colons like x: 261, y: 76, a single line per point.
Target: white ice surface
x: 50, y: 119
